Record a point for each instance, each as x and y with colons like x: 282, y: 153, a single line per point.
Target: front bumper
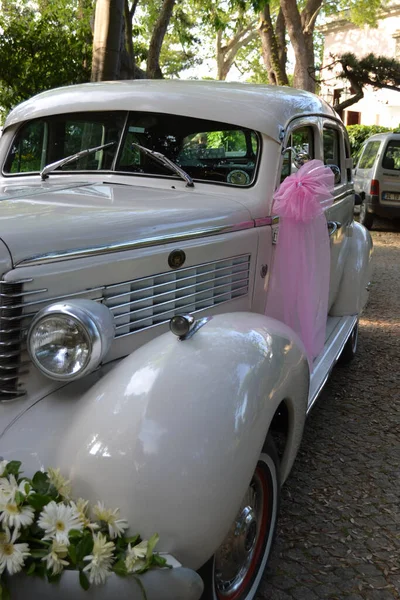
x: 178, y: 583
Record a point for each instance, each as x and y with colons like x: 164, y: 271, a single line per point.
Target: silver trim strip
x: 132, y: 245
x: 328, y: 374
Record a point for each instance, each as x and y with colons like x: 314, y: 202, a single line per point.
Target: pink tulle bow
x: 311, y: 186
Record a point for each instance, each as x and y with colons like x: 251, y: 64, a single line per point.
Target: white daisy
x: 116, y: 526
x: 55, y: 559
x: 25, y: 488
x: 135, y: 558
x: 101, y: 559
x: 12, y: 555
x: 3, y: 464
x: 81, y: 507
x: 14, y: 515
x: 57, y: 520
x: 61, y: 484
x: 8, y: 488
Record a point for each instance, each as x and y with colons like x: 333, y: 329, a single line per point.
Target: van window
x: 369, y: 155
x: 391, y: 158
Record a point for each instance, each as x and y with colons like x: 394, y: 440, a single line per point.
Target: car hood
x: 54, y: 219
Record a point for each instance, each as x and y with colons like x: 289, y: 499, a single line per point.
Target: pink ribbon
x: 298, y: 290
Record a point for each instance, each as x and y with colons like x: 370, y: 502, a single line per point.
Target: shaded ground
x: 339, y: 530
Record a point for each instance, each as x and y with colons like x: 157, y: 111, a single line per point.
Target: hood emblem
x: 176, y: 259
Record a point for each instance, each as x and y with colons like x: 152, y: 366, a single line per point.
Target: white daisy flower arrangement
x: 43, y: 532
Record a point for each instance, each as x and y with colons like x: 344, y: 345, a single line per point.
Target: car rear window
x: 391, y: 158
x: 369, y: 155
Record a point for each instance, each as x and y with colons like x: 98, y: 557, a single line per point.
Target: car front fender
x: 173, y: 433
x: 354, y: 286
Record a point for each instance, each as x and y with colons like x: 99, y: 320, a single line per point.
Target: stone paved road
x: 339, y: 530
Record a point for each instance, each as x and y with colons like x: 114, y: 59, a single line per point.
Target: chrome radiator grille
x: 150, y: 301
x: 136, y: 305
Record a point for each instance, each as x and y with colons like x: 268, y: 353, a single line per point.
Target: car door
x: 336, y: 153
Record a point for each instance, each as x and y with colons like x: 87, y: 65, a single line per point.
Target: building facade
x: 378, y: 107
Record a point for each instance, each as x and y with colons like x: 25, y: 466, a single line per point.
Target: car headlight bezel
x: 93, y: 321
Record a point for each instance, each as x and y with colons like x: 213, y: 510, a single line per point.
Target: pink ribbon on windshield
x: 298, y: 290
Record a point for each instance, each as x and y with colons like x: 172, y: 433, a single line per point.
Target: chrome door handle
x: 333, y: 226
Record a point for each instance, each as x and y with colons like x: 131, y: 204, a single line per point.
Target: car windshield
x: 391, y: 158
x: 206, y: 150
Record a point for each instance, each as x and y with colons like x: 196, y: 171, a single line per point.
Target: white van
x: 377, y: 178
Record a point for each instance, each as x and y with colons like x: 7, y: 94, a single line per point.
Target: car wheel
x: 366, y: 218
x: 350, y: 348
x: 235, y: 571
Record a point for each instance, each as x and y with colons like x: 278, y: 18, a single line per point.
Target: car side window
x: 368, y: 156
x: 391, y: 158
x: 332, y: 143
x: 302, y: 142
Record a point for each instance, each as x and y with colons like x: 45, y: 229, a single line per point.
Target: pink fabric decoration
x: 298, y: 289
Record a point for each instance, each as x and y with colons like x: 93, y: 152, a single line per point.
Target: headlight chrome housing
x: 68, y: 340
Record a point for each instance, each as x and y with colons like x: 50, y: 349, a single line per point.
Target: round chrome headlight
x: 68, y: 340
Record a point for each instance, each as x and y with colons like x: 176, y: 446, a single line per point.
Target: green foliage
x: 42, y: 48
x: 359, y: 133
x: 377, y: 71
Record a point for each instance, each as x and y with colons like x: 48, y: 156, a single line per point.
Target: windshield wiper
x: 166, y: 162
x: 44, y: 173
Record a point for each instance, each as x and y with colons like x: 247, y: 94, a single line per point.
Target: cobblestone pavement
x: 339, y: 530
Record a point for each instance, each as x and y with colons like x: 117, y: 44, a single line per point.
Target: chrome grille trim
x: 191, y: 289
x: 183, y: 308
x: 11, y: 338
x: 150, y: 301
x: 186, y: 287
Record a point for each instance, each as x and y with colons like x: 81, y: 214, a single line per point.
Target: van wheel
x: 236, y: 569
x: 366, y: 218
x: 350, y: 348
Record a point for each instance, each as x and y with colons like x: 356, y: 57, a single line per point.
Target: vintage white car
x: 137, y: 246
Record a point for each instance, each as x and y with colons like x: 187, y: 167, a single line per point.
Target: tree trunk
x: 280, y: 32
x: 301, y: 28
x: 107, y: 40
x: 226, y: 54
x: 273, y: 57
x: 156, y: 42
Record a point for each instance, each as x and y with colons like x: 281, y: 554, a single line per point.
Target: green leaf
x: 74, y: 534
x: 53, y: 578
x: 19, y: 498
x: 120, y: 568
x: 4, y: 593
x: 84, y: 547
x: 159, y: 561
x: 40, y: 483
x: 38, y: 501
x: 151, y: 544
x: 72, y: 553
x: 39, y: 553
x: 84, y: 581
x: 132, y: 540
x: 13, y: 467
x: 31, y: 569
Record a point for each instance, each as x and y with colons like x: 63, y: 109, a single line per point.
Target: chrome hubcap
x: 234, y: 556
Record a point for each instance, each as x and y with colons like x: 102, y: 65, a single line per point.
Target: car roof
x: 378, y: 137
x: 265, y: 108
